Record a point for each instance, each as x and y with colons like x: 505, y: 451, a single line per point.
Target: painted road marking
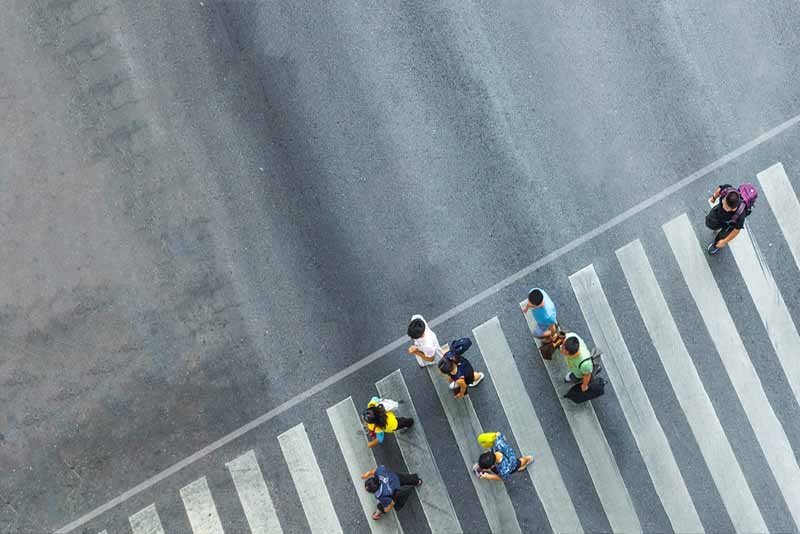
x: 253, y: 494
x: 633, y: 399
x: 769, y: 303
x: 594, y: 447
x: 720, y: 325
x: 692, y: 396
x: 785, y: 206
x: 472, y: 301
x: 146, y: 521
x: 359, y: 459
x: 419, y: 458
x: 526, y: 427
x: 465, y: 425
x: 200, y: 508
x: 308, y: 481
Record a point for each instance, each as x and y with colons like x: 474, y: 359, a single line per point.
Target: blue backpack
x: 460, y: 346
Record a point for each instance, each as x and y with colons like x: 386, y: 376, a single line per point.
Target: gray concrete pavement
x: 208, y: 206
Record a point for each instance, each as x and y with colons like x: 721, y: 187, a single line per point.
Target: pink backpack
x: 748, y: 194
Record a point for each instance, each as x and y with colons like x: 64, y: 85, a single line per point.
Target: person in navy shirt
x: 391, y: 489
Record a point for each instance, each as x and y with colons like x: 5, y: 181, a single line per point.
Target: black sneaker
x: 712, y: 249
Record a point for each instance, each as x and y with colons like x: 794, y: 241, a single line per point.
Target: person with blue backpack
x: 730, y: 207
x: 391, y: 489
x: 458, y: 369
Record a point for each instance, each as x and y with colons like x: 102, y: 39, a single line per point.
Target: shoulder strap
x: 584, y: 360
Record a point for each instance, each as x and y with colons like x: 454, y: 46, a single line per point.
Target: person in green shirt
x: 579, y: 361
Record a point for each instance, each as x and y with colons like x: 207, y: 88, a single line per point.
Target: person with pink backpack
x: 728, y: 215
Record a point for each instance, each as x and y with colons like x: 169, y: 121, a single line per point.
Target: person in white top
x: 425, y: 345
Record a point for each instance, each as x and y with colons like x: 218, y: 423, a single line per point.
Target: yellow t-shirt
x: 391, y: 422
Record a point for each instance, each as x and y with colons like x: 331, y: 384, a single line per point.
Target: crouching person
x: 391, y: 489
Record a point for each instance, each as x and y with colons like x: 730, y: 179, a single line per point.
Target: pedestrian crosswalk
x: 689, y: 390
x: 439, y: 499
x: 253, y: 494
x: 307, y: 478
x: 635, y: 403
x: 735, y: 360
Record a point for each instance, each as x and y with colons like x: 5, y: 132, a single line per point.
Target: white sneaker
x: 478, y: 381
x: 568, y: 379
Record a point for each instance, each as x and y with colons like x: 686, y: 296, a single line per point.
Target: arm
x: 368, y: 474
x: 715, y: 194
x: 386, y: 509
x: 462, y: 388
x: 490, y: 476
x: 527, y: 306
x: 728, y: 238
x: 415, y: 351
x: 585, y: 384
x: 379, y: 435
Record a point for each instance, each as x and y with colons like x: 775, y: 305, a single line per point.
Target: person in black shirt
x: 723, y: 217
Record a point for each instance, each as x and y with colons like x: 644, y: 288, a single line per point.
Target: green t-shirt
x: 574, y: 361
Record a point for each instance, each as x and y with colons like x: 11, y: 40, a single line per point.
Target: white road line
x: 726, y: 339
x: 200, y: 508
x: 526, y: 427
x: 689, y: 390
x: 633, y: 399
x: 785, y: 206
x: 103, y: 532
x: 769, y: 303
x: 466, y: 427
x: 496, y: 288
x: 419, y: 458
x: 594, y: 448
x: 308, y: 481
x: 253, y: 494
x: 352, y: 441
x: 146, y: 521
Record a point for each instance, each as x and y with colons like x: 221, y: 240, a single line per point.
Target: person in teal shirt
x: 579, y: 360
x: 544, y: 311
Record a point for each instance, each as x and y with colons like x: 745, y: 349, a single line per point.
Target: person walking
x: 579, y: 361
x: 391, y: 489
x: 544, y: 311
x: 425, y: 345
x: 546, y: 317
x: 500, y: 461
x: 381, y: 420
x: 730, y: 207
x: 460, y: 373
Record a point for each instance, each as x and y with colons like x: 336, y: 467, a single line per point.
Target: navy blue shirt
x: 389, y: 483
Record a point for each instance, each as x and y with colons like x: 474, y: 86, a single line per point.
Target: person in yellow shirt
x: 381, y: 421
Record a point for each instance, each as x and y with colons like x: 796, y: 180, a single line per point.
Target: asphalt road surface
x: 208, y: 207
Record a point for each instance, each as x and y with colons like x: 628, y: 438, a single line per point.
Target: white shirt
x: 428, y: 344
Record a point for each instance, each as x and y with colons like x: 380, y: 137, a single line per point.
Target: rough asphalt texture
x: 207, y: 207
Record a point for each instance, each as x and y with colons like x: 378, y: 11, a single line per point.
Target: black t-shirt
x: 724, y: 217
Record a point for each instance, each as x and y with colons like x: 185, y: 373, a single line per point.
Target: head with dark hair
x: 571, y: 346
x: 446, y: 365
x: 486, y: 460
x: 535, y: 297
x: 372, y: 484
x: 732, y: 200
x: 375, y: 415
x: 416, y: 329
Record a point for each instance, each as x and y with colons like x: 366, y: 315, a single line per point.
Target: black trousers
x: 402, y: 495
x: 716, y: 220
x: 404, y: 422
